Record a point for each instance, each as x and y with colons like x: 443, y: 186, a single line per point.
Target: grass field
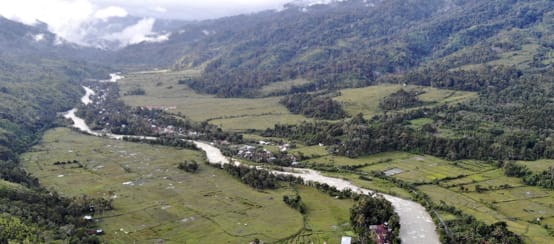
x: 12, y: 186
x: 455, y: 182
x: 539, y: 165
x: 521, y: 58
x: 326, y: 219
x: 162, y: 89
x: 366, y: 100
x: 344, y: 161
x: 239, y: 114
x: 282, y: 86
x: 154, y: 200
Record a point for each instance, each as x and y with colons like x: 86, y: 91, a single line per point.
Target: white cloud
x: 50, y: 11
x: 141, y: 31
x: 111, y: 11
x: 159, y: 9
x: 193, y: 9
x: 79, y: 21
x: 38, y: 37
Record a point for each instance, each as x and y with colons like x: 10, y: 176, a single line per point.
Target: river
x: 416, y: 225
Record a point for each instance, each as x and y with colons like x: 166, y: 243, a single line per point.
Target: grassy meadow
x: 240, y: 114
x: 282, y: 86
x: 153, y: 200
x: 539, y: 165
x: 162, y: 89
x: 327, y: 219
x: 366, y: 100
x: 455, y: 184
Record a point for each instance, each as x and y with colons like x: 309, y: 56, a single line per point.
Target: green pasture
x: 154, y: 200
x: 162, y: 89
x: 326, y: 218
x: 366, y: 100
x: 282, y: 86
x: 455, y: 182
x: 539, y: 165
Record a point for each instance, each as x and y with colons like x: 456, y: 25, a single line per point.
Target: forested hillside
x: 353, y: 43
x: 35, y: 84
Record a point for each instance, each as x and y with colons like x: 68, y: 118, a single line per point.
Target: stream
x: 416, y: 225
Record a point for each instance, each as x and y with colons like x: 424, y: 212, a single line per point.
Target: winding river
x: 417, y: 225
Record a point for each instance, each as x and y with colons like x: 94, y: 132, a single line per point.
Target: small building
x: 346, y: 240
x: 284, y: 147
x: 379, y: 233
x: 95, y: 232
x: 87, y: 217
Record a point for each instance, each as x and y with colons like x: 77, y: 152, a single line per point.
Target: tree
x: 372, y: 210
x: 189, y: 166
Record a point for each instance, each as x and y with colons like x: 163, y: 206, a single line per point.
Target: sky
x: 77, y: 20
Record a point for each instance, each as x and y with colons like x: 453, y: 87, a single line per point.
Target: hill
x: 37, y: 81
x: 355, y: 42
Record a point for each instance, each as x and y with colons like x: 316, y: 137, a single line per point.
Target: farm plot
x: 154, y: 200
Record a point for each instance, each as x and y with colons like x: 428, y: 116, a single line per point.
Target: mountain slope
x: 38, y: 79
x: 39, y: 76
x: 352, y: 43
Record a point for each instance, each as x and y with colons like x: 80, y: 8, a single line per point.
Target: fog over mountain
x: 117, y: 23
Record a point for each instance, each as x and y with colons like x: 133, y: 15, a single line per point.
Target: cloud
x: 140, y: 32
x: 38, y: 37
x: 49, y: 11
x: 85, y: 22
x: 111, y: 11
x: 80, y: 21
x: 193, y: 9
x: 159, y: 9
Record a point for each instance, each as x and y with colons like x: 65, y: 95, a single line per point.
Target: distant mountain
x: 15, y: 36
x: 116, y: 32
x: 20, y: 41
x: 352, y: 42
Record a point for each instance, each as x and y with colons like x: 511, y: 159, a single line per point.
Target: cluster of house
x: 161, y: 107
x: 89, y: 218
x: 256, y: 154
x: 259, y: 154
x: 170, y: 129
x: 380, y: 234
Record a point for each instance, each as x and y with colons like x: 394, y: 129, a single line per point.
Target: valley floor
x: 155, y: 200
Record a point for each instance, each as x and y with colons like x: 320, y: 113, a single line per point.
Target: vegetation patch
x: 229, y: 113
x: 152, y: 200
x: 314, y: 106
x: 400, y: 99
x: 282, y: 87
x: 367, y: 100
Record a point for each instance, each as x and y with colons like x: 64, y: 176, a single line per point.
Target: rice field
x: 156, y: 202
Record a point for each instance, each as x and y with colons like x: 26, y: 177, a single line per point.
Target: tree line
x: 111, y: 114
x: 509, y: 120
x: 400, y: 99
x: 258, y: 178
x: 319, y: 106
